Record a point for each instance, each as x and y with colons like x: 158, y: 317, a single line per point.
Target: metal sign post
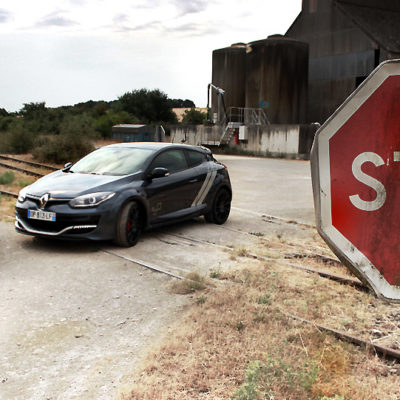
x: 355, y: 165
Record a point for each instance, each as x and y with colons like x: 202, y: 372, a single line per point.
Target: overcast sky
x: 68, y: 51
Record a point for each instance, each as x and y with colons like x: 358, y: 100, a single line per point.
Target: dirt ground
x: 79, y: 319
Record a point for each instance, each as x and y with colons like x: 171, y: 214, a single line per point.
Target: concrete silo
x: 277, y: 79
x: 229, y: 73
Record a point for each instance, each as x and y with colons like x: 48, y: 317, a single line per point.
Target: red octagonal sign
x: 355, y: 163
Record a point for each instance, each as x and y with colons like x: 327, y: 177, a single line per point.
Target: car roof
x: 160, y: 145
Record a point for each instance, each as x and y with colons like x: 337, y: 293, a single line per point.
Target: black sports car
x: 119, y: 190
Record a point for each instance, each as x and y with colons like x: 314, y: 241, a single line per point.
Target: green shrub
x: 61, y: 148
x: 17, y: 140
x: 6, y: 178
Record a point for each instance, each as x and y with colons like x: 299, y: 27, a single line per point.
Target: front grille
x: 36, y: 200
x: 62, y: 221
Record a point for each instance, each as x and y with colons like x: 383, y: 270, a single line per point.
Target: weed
x: 239, y: 326
x: 193, y: 282
x: 215, y: 273
x: 336, y: 397
x: 258, y: 234
x: 249, y: 389
x: 201, y: 300
x: 242, y: 252
x: 276, y: 377
x: 266, y: 299
x: 259, y: 317
x: 6, y: 178
x: 24, y: 182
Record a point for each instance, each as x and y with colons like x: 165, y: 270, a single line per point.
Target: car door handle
x: 193, y: 180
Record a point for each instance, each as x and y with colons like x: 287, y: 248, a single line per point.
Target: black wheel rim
x: 222, y: 205
x: 133, y: 224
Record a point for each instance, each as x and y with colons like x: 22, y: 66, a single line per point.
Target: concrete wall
x: 291, y: 141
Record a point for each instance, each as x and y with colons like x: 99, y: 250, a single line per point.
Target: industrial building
x: 267, y: 94
x: 138, y: 133
x: 347, y: 39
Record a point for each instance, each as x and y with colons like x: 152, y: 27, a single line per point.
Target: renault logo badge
x: 44, y: 199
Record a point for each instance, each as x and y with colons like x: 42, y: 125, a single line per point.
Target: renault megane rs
x: 120, y: 190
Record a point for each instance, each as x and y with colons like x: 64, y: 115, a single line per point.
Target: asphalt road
x: 75, y: 320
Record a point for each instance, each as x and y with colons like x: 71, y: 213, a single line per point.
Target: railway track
x: 24, y: 162
x: 335, y: 277
x: 6, y: 193
x: 25, y: 171
x: 30, y: 163
x: 382, y: 351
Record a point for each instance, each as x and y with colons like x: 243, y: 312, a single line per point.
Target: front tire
x: 130, y: 225
x: 220, y: 208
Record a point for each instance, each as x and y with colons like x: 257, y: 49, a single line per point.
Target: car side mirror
x: 158, y: 172
x: 67, y: 166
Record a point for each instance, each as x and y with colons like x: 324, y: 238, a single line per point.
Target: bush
x: 17, y: 140
x: 62, y: 148
x: 194, y: 117
x: 6, y: 178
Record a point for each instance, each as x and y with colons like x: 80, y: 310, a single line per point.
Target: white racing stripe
x: 208, y: 187
x: 205, y: 188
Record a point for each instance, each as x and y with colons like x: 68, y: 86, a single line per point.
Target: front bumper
x: 96, y: 223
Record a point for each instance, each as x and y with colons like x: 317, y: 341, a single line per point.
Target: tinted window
x: 173, y: 160
x: 196, y: 158
x: 112, y: 161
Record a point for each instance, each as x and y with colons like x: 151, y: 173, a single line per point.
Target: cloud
x: 56, y: 19
x: 194, y: 29
x: 151, y: 25
x: 191, y: 6
x: 5, y: 15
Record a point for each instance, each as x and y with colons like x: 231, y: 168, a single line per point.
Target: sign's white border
x: 320, y: 165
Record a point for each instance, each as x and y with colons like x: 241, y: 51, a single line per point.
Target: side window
x: 195, y: 158
x: 173, y: 160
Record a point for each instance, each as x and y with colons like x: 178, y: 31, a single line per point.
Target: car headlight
x: 22, y: 194
x: 91, y: 199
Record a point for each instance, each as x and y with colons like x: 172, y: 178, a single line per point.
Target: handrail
x: 245, y: 116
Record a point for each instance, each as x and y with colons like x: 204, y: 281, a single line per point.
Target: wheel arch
x: 142, y: 204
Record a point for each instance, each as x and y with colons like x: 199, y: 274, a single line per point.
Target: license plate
x: 42, y: 215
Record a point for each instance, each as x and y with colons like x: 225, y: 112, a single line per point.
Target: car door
x: 167, y: 196
x: 200, y: 174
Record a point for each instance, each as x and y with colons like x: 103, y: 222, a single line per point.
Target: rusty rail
x: 386, y: 352
x: 25, y: 171
x: 31, y: 163
x: 9, y: 193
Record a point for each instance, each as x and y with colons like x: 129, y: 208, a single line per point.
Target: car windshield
x: 112, y: 161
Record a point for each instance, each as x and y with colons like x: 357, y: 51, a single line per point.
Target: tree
x: 149, y: 106
x: 194, y: 117
x: 179, y: 103
x: 33, y: 110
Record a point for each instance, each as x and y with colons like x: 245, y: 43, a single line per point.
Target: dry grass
x: 236, y: 343
x: 193, y: 283
x: 19, y: 180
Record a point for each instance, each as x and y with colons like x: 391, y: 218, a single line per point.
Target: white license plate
x: 42, y: 215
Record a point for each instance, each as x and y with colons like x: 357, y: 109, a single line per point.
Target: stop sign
x: 355, y: 164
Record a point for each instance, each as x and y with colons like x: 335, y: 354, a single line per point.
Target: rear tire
x: 220, y: 208
x: 130, y: 225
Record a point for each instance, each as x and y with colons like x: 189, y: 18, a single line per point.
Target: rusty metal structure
x: 229, y: 73
x: 347, y: 40
x: 276, y: 78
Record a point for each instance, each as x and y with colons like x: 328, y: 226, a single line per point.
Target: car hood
x: 69, y: 185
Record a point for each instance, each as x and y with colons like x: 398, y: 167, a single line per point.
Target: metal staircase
x: 233, y: 119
